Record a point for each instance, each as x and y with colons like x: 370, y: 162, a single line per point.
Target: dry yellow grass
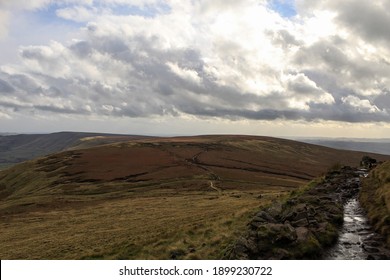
x: 192, y: 225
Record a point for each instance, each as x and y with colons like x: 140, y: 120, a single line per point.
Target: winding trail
x: 214, y: 187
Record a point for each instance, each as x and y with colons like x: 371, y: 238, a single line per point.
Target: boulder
x: 300, y: 223
x: 302, y: 233
x: 264, y: 216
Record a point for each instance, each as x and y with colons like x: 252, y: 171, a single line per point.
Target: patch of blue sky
x: 48, y: 15
x: 286, y: 8
x: 148, y: 11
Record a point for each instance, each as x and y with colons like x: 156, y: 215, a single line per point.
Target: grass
x: 182, y: 198
x: 375, y: 198
x: 150, y: 227
x: 301, y: 190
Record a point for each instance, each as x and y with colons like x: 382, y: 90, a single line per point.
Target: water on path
x: 355, y: 230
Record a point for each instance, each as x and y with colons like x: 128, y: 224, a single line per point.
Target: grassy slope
x: 375, y: 198
x: 17, y: 148
x: 185, y: 197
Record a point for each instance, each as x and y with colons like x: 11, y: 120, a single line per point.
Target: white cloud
x: 362, y: 105
x: 23, y: 4
x: 4, y: 17
x: 186, y: 74
x: 304, y: 91
x: 206, y: 59
x: 4, y: 116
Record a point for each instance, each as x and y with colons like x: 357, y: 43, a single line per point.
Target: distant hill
x: 155, y: 198
x: 21, y: 147
x: 379, y: 146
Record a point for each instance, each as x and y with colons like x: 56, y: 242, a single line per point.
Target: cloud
x: 206, y: 59
x: 366, y: 19
x: 77, y: 13
x: 5, y: 87
x: 4, y: 17
x: 23, y: 4
x: 362, y: 105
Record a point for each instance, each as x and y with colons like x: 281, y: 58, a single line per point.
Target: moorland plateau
x: 132, y: 197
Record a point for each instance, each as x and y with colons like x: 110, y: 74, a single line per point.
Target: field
x: 157, y: 198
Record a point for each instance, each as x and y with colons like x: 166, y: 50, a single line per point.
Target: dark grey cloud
x: 36, y: 53
x: 81, y: 49
x: 21, y: 81
x: 152, y: 88
x: 283, y: 38
x: 382, y: 101
x: 365, y: 18
x: 5, y: 87
x: 61, y: 110
x: 324, y: 53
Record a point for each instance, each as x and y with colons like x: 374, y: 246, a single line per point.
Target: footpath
x: 308, y: 224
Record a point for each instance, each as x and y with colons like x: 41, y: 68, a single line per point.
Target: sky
x: 188, y: 67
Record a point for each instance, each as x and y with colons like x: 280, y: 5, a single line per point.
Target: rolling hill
x: 151, y: 198
x: 21, y: 147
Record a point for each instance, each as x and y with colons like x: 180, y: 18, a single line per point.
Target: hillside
x: 156, y: 198
x: 21, y: 147
x: 375, y: 198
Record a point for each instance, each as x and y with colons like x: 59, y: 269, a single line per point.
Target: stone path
x: 357, y: 240
x: 325, y: 222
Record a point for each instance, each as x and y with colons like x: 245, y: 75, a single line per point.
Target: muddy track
x: 195, y: 161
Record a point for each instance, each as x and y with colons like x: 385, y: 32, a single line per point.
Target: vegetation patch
x: 158, y: 198
x: 375, y: 198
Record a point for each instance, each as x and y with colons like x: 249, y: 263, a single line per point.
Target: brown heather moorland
x: 152, y: 198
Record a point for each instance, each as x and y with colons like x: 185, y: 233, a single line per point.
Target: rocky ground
x: 307, y: 224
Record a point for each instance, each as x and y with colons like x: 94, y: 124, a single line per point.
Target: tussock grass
x: 151, y: 227
x: 375, y: 198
